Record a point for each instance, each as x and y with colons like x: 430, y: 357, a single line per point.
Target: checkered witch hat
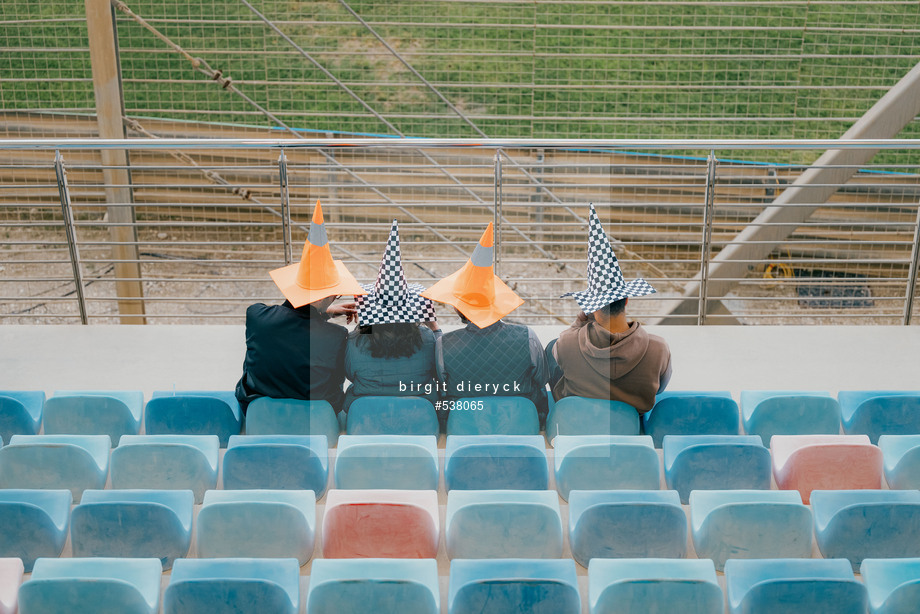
x: 391, y: 299
x: 605, y: 280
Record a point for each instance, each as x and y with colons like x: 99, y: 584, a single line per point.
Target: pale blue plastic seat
x: 880, y: 412
x: 626, y: 524
x: 496, y: 462
x: 133, y: 524
x: 583, y: 416
x: 97, y: 585
x: 863, y: 524
x: 94, y: 412
x: 231, y: 586
x: 392, y: 416
x: 267, y: 416
x: 75, y: 462
x: 750, y: 524
x: 399, y: 462
x: 20, y: 412
x: 639, y: 586
x: 499, y: 586
x: 257, y: 524
x: 715, y: 462
x: 164, y: 462
x: 692, y: 413
x: 793, y: 586
x: 193, y: 412
x: 789, y: 412
x: 901, y: 455
x: 498, y: 416
x: 605, y: 462
x: 384, y: 586
x: 893, y: 585
x: 33, y: 523
x: 277, y: 462
x: 493, y: 524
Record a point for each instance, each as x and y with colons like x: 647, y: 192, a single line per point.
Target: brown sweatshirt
x: 631, y: 367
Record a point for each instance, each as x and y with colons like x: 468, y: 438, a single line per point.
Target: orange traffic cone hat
x: 317, y: 275
x: 475, y: 290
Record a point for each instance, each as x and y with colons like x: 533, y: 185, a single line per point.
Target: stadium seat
x: 863, y: 524
x: 494, y: 524
x: 793, y: 586
x: 133, y: 524
x: 392, y: 416
x: 498, y: 416
x: 715, y: 462
x: 193, y: 413
x: 400, y: 462
x: 496, y: 462
x: 624, y: 524
x: 98, y: 585
x: 267, y: 524
x: 499, y: 586
x: 605, y: 462
x: 232, y: 586
x: 266, y: 416
x: 381, y: 524
x: 789, y: 412
x: 277, y: 462
x: 164, y: 462
x: 583, y: 416
x: 692, y: 413
x: 384, y: 586
x: 901, y: 454
x: 34, y: 523
x: 75, y: 462
x: 638, y: 586
x: 880, y: 412
x: 20, y: 412
x: 94, y: 412
x: 893, y: 585
x: 10, y: 578
x: 825, y: 462
x: 750, y: 524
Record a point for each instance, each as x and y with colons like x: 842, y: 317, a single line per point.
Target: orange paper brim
x: 286, y: 280
x: 505, y: 301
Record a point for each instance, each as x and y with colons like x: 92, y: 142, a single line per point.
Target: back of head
x: 391, y: 340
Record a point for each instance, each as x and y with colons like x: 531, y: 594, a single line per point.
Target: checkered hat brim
x: 591, y: 302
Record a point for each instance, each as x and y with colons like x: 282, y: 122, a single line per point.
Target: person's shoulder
x: 655, y: 341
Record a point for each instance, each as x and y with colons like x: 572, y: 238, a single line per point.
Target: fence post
x: 285, y: 207
x: 497, y: 223
x: 912, y: 275
x: 66, y: 209
x: 707, y: 234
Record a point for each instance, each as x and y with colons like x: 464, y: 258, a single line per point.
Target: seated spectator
x: 604, y: 355
x: 391, y: 353
x: 292, y: 350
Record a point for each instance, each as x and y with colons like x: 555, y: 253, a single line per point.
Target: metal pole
x: 71, y: 234
x: 498, y: 212
x: 707, y: 234
x: 285, y: 207
x: 912, y: 275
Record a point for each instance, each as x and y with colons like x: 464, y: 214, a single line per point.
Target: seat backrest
x: 547, y: 586
x: 692, y: 413
x: 488, y: 462
x: 20, y: 412
x: 584, y: 416
x: 493, y: 416
x: 602, y: 462
x: 262, y: 585
x: 267, y: 416
x: 166, y: 462
x: 387, y: 461
x: 893, y: 584
x: 276, y: 462
x: 789, y: 412
x: 75, y: 462
x: 647, y: 585
x: 378, y: 415
x: 193, y: 412
x: 349, y: 585
x: 877, y: 413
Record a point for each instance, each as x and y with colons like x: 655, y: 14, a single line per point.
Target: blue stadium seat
x: 625, y: 524
x: 499, y: 586
x: 789, y: 412
x: 893, y: 585
x: 277, y: 462
x: 193, y: 412
x: 880, y: 412
x: 498, y: 416
x: 692, y: 413
x: 20, y: 412
x: 384, y: 586
x: 583, y: 416
x: 494, y: 524
x: 401, y: 462
x: 232, y: 586
x: 75, y: 462
x: 715, y: 462
x: 864, y: 524
x: 496, y: 462
x: 605, y: 462
x: 98, y: 585
x: 902, y: 460
x: 94, y: 412
x: 164, y: 462
x: 34, y: 523
x: 133, y: 524
x: 267, y: 416
x: 392, y: 416
x: 257, y: 524
x: 793, y: 586
x: 639, y: 586
x: 10, y: 578
x: 750, y: 524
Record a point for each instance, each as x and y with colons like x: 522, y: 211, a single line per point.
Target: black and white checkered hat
x: 605, y: 280
x: 391, y: 299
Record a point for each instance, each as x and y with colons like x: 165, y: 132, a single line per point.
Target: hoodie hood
x: 613, y: 355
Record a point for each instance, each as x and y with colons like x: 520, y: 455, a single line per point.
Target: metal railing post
x: 707, y: 234
x: 498, y: 213
x: 66, y: 209
x: 285, y: 207
x: 912, y: 275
